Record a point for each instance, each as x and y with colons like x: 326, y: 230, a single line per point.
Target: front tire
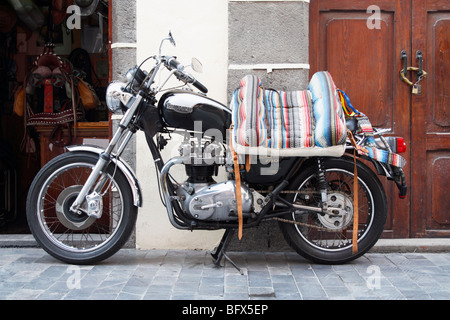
x: 327, y: 239
x: 70, y: 237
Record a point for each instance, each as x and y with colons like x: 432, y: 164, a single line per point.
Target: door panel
x: 359, y: 53
x: 438, y: 32
x: 431, y: 121
x: 365, y: 63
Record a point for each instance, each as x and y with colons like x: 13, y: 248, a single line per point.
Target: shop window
x: 54, y: 70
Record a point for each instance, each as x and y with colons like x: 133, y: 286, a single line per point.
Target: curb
x: 382, y: 246
x: 17, y: 241
x: 412, y: 245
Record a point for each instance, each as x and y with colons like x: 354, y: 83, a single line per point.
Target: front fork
x: 94, y: 199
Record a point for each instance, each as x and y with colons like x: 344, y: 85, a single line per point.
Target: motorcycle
x: 330, y: 205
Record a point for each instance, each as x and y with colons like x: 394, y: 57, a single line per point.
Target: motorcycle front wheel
x: 327, y: 238
x: 78, y: 238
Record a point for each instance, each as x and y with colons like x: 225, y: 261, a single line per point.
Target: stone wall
x: 268, y: 39
x: 269, y: 36
x: 123, y: 48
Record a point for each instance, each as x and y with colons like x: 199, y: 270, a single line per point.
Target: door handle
x: 404, y: 57
x: 420, y: 72
x: 419, y: 57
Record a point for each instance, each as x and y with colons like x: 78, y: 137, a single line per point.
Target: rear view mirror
x: 197, y: 65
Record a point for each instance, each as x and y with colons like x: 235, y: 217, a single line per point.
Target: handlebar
x: 173, y: 64
x: 200, y: 86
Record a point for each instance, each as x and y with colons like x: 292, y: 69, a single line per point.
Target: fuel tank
x: 181, y: 109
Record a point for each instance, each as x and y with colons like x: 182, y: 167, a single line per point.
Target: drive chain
x: 305, y: 224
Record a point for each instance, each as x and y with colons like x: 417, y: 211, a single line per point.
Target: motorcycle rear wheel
x: 327, y: 239
x: 68, y: 236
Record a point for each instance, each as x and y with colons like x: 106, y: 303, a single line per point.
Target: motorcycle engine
x: 200, y: 195
x: 215, y: 201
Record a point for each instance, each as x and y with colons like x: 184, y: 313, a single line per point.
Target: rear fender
x: 122, y: 166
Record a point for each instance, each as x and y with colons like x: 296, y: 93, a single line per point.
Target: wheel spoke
x: 68, y: 230
x: 334, y: 232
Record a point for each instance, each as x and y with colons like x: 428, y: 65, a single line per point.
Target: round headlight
x: 113, y: 95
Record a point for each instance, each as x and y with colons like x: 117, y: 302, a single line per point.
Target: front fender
x: 122, y: 166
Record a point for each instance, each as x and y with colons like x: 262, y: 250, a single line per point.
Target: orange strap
x: 247, y: 163
x: 355, y: 197
x: 355, y: 207
x: 237, y: 177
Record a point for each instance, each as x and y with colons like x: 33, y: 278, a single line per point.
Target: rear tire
x: 328, y: 239
x: 73, y: 238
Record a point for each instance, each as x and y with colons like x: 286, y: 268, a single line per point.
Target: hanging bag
x: 88, y: 96
x: 19, y: 98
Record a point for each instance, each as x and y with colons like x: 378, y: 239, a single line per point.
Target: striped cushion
x: 289, y: 119
x: 330, y: 120
x: 285, y: 120
x: 249, y: 113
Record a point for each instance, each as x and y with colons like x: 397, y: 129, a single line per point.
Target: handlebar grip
x: 200, y: 86
x: 173, y: 63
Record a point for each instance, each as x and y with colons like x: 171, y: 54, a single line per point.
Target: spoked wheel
x: 327, y: 238
x: 73, y: 237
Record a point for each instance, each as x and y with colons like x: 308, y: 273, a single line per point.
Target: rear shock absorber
x: 323, y: 184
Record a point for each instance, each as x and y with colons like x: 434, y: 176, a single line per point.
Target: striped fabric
x: 249, y: 110
x: 369, y: 146
x: 300, y: 123
x: 383, y: 156
x: 289, y: 119
x: 330, y: 120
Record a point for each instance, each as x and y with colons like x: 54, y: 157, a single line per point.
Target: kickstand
x: 220, y: 250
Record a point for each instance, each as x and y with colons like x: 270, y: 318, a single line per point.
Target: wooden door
x: 430, y: 159
x: 364, y: 58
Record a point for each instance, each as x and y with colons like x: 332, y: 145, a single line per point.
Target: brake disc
x: 69, y: 219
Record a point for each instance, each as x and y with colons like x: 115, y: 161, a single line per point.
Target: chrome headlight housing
x: 116, y: 98
x: 136, y: 77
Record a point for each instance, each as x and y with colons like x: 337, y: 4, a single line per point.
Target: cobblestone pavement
x: 31, y: 274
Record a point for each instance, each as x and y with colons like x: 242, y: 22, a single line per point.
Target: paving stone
x: 31, y: 274
x: 312, y: 290
x: 261, y: 292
